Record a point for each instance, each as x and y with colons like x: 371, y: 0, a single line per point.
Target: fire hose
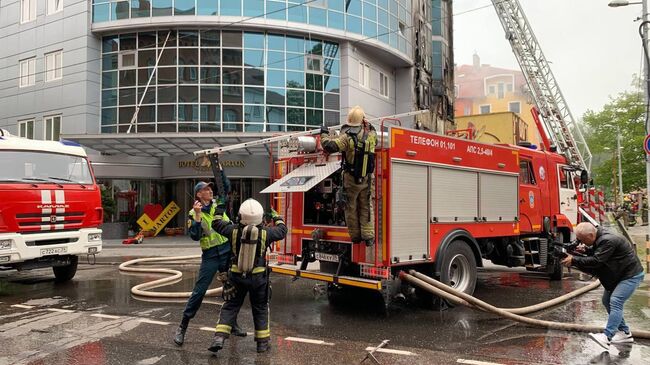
x: 143, y: 289
x: 457, y: 297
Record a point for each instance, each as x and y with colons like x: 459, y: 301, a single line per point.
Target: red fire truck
x: 50, y: 206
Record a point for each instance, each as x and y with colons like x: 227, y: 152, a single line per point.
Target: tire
x: 67, y: 272
x: 554, y: 269
x: 458, y: 267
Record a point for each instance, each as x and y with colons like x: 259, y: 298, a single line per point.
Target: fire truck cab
x: 441, y: 204
x: 50, y: 206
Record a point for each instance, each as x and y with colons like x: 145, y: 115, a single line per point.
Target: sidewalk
x: 114, y: 252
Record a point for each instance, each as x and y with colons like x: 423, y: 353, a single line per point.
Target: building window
x: 509, y: 88
x: 402, y: 29
x: 491, y: 89
x: 364, y: 75
x: 52, y: 128
x: 27, y: 10
x: 128, y: 59
x: 318, y: 3
x: 502, y: 91
x: 467, y: 110
x: 383, y: 84
x: 26, y: 129
x: 54, y: 6
x: 314, y: 63
x: 514, y: 106
x: 27, y: 72
x: 486, y: 109
x: 54, y: 66
x: 456, y: 90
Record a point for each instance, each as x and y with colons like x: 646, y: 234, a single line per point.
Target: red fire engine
x: 50, y: 206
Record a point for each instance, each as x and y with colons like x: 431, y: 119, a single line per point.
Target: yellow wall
x: 499, y: 127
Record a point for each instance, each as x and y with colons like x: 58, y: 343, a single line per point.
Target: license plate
x: 327, y: 257
x: 53, y: 251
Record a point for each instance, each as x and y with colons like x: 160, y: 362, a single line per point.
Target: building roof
x: 471, y: 79
x: 169, y: 144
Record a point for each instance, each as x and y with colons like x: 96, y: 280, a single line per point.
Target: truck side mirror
x: 584, y: 177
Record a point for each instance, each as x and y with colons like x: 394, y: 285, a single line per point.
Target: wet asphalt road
x: 95, y: 320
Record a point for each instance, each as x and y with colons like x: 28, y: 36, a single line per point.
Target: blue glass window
x: 354, y: 7
x: 314, y: 82
x: 254, y: 76
x: 382, y: 17
x: 354, y: 24
x: 295, y: 62
x: 162, y: 8
x: 275, y: 59
x: 383, y: 4
x: 110, y: 44
x: 232, y: 113
x: 109, y: 62
x: 188, y: 38
x: 383, y: 34
x: 140, y: 8
x: 295, y: 44
x: 275, y: 117
x: 230, y: 7
x: 210, y: 56
x: 210, y: 75
x: 120, y: 10
x: 232, y: 75
x: 276, y: 42
x: 188, y: 113
x: 101, y: 13
x: 109, y: 116
x: 255, y: 114
x: 109, y: 97
x: 253, y: 7
x: 314, y: 99
x: 253, y: 58
x: 188, y: 94
x: 336, y: 20
x: 314, y: 47
x: 188, y: 75
x: 275, y: 96
x: 276, y: 10
x: 254, y: 40
x: 211, y: 113
x: 369, y: 28
x: 109, y: 79
x: 206, y: 7
x: 275, y: 78
x: 210, y: 38
x: 232, y: 94
x: 296, y: 79
x: 254, y: 95
x: 332, y: 84
x: 184, y: 7
x: 296, y: 116
x: 369, y: 11
x: 232, y: 57
x: 210, y: 94
x: 314, y: 117
x: 317, y: 16
x: 231, y: 39
x: 298, y: 14
x: 336, y: 5
x: 295, y: 97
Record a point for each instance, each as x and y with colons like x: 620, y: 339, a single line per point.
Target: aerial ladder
x: 558, y: 122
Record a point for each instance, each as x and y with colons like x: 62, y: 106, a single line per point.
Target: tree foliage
x: 625, y: 113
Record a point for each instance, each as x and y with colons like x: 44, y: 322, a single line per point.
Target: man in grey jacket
x: 612, y: 259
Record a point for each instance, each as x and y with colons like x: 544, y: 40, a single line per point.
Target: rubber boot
x: 263, y: 345
x: 179, y: 335
x: 217, y: 343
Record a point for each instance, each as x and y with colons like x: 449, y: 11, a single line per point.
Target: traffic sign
x: 646, y: 144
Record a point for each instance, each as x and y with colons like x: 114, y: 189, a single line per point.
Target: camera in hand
x: 562, y: 250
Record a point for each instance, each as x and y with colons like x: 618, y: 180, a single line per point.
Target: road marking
x: 646, y: 311
x: 476, y: 362
x: 307, y: 340
x: 59, y: 310
x: 144, y: 320
x: 99, y: 315
x: 389, y: 351
x: 22, y: 306
x: 209, y: 329
x: 151, y: 360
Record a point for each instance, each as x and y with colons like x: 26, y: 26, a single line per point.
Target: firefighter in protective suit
x: 248, y: 273
x: 356, y: 142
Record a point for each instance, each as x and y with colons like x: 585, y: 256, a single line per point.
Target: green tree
x: 625, y: 112
x: 108, y: 203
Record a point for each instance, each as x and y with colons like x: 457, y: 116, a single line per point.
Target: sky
x: 593, y: 50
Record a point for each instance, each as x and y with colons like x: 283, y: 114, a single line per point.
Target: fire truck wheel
x: 458, y: 268
x: 67, y: 272
x: 555, y: 270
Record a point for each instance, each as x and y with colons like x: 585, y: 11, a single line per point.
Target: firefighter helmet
x: 251, y: 212
x: 355, y: 116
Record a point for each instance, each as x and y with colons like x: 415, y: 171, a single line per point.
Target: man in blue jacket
x: 216, y: 250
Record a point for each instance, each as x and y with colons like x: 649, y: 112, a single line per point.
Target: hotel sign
x: 198, y: 164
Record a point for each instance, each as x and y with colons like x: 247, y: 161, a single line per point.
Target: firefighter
x: 215, y: 256
x: 248, y: 273
x: 356, y: 142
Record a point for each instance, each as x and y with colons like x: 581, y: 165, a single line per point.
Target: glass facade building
x: 218, y: 81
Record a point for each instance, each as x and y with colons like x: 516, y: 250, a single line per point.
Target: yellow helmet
x: 355, y: 116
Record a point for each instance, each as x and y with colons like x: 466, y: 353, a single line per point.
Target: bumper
x: 33, y: 246
x: 292, y: 270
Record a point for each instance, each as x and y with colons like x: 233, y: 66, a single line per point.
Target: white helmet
x: 355, y: 116
x: 251, y: 212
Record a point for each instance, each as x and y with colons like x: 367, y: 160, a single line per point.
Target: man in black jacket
x: 612, y: 259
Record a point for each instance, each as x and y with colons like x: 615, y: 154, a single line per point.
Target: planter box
x: 115, y: 231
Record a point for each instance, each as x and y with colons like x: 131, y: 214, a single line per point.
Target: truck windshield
x: 43, y: 167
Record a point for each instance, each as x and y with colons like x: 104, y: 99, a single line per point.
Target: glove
x: 324, y: 130
x: 229, y: 291
x: 274, y: 214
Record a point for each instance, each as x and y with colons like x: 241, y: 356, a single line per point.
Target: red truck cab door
x: 530, y: 202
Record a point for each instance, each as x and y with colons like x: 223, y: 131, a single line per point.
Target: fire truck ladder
x: 553, y: 108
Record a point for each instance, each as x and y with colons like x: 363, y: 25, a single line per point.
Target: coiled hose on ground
x: 437, y: 288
